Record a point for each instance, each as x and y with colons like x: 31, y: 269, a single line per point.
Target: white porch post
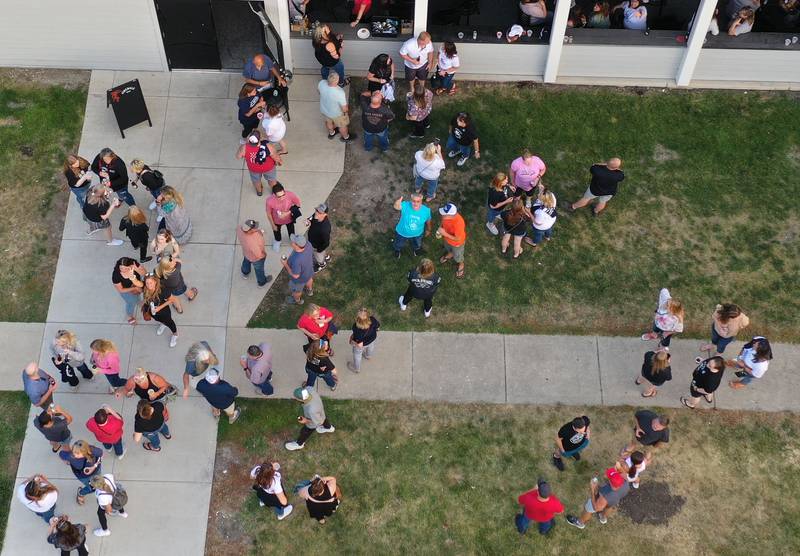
x: 278, y: 13
x: 556, y: 40
x: 420, y: 16
x: 702, y: 20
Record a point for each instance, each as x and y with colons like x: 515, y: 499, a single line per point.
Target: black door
x: 190, y: 40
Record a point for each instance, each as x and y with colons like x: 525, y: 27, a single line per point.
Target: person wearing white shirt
x: 544, y: 219
x: 752, y: 362
x: 39, y: 495
x: 269, y: 489
x: 447, y: 67
x: 417, y: 55
x: 275, y: 127
x: 634, y: 15
x: 428, y: 165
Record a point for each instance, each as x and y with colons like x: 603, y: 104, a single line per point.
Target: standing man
x: 605, y: 181
x: 220, y: 395
x: 454, y: 232
x: 333, y: 105
x: 255, y: 255
x: 604, y: 500
x: 107, y: 427
x: 571, y: 439
x: 38, y: 385
x: 417, y: 55
x: 415, y: 221
x: 313, y: 418
x: 54, y: 425
x: 260, y: 72
x: 198, y: 359
x: 319, y: 235
x: 300, y: 266
x: 651, y: 430
x: 538, y: 505
x: 375, y: 118
x: 257, y: 365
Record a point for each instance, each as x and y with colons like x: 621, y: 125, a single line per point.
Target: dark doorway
x: 190, y: 40
x: 240, y: 33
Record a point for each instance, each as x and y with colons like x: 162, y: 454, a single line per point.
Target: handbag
x: 436, y: 80
x: 296, y: 214
x: 387, y: 90
x: 146, y: 315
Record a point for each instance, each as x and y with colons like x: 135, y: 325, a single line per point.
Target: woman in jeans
x: 419, y: 104
x: 363, y: 338
x: 726, y: 322
x: 67, y: 356
x: 100, y: 204
x: 269, y: 489
x: 172, y: 282
x: 66, y: 536
x: 322, y: 497
x: 515, y: 224
x: 423, y: 282
x: 104, y: 488
x: 79, y: 177
x: 128, y: 279
x: 174, y: 217
x: 84, y: 460
x: 164, y: 245
x: 150, y: 421
x: 381, y: 72
x: 544, y: 219
x: 153, y: 180
x: 752, y: 362
x: 39, y: 495
x: 499, y: 199
x: 113, y: 174
x: 319, y: 365
x: 668, y: 319
x: 158, y: 302
x: 428, y: 166
x: 328, y: 52
x: 655, y: 372
x: 105, y: 358
x: 447, y: 67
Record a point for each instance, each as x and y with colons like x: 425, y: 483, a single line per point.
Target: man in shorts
x: 605, y: 180
x: 417, y: 55
x: 454, y: 233
x: 651, y: 431
x: 300, y: 267
x: 333, y: 105
x: 198, y: 360
x: 603, y: 500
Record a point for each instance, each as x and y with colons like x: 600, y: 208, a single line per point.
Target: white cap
x: 515, y: 31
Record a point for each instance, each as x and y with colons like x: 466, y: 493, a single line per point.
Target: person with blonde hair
x: 85, y: 462
x: 157, y: 301
x: 100, y: 204
x: 417, y: 55
x: 199, y: 359
x: 105, y: 358
x: 328, y: 52
x: 175, y: 218
x: 164, y: 245
x: 79, y: 177
x: 111, y: 500
x: 365, y: 334
x: 39, y: 495
x: 499, y: 199
x: 655, y: 372
x: 134, y: 224
x: 667, y: 321
x: 67, y: 356
x: 727, y: 320
x: 544, y: 218
x: 419, y: 103
x: 153, y: 180
x: 423, y: 282
x: 428, y: 166
x: 148, y: 385
x: 172, y: 282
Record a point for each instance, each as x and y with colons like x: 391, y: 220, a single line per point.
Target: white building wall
x: 626, y: 62
x: 748, y: 65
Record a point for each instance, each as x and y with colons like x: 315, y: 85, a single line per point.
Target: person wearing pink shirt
x: 105, y: 358
x: 279, y: 212
x: 251, y: 238
x: 526, y: 173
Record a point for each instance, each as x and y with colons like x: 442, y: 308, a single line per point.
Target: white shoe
x: 286, y: 511
x: 635, y: 485
x: 452, y: 154
x: 161, y: 329
x: 102, y: 532
x: 173, y: 341
x: 276, y: 246
x: 292, y: 446
x: 262, y: 504
x: 115, y: 242
x: 492, y: 228
x: 400, y: 301
x: 119, y: 457
x: 428, y: 312
x: 461, y: 161
x: 602, y: 519
x: 323, y: 430
x: 152, y: 206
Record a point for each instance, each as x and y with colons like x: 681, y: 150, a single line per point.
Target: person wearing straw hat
x: 255, y: 253
x: 313, y: 418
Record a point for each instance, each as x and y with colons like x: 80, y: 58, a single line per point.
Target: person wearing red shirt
x: 360, y: 11
x: 538, y: 505
x: 315, y: 323
x: 107, y: 427
x: 261, y: 159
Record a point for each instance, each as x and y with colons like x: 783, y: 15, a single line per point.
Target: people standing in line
x: 108, y: 428
x: 148, y: 385
x: 419, y: 103
x: 526, y: 174
x: 651, y: 430
x: 153, y: 180
x: 315, y: 322
x: 706, y: 378
x: 463, y: 138
x: 448, y: 65
x: 67, y: 355
x: 571, y: 439
x: 515, y: 224
x: 251, y: 237
x: 322, y: 496
x: 113, y: 174
x: 169, y: 271
x: 150, y: 422
x: 85, y: 461
x: 726, y: 322
x: 333, y: 105
x: 111, y: 500
x: 544, y: 215
x: 250, y: 103
x: 380, y: 73
x: 313, y: 418
x: 423, y: 282
x: 539, y: 505
x: 39, y: 495
x: 632, y: 467
x: 220, y: 395
x: 606, y: 177
x: 67, y: 536
x: 164, y: 245
x: 414, y: 223
x: 262, y: 73
x: 428, y: 166
x: 300, y: 267
x: 261, y: 159
x: 656, y: 371
x: 498, y: 201
x: 319, y: 365
x: 257, y: 367
x: 752, y: 362
x: 105, y: 358
x: 319, y: 236
x: 453, y: 231
x: 269, y: 489
x: 158, y: 302
x: 173, y: 215
x: 79, y: 177
x: 274, y: 129
x: 328, y: 52
x: 128, y: 280
x: 363, y: 339
x: 602, y: 501
x: 135, y: 226
x: 375, y: 119
x: 283, y: 207
x: 38, y: 385
x: 199, y: 359
x: 54, y: 424
x: 667, y: 320
x: 417, y: 55
x: 100, y: 204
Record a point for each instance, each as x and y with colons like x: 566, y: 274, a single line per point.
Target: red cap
x: 614, y: 477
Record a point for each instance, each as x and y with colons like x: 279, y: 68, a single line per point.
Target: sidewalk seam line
x: 412, y: 365
x: 505, y: 367
x: 599, y: 370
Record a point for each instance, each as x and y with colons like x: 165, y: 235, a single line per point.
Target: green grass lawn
x: 13, y: 414
x: 708, y: 208
x: 39, y: 125
x: 429, y: 478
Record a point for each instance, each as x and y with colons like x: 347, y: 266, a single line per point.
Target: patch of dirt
x: 225, y: 533
x: 42, y: 78
x: 9, y: 122
x: 652, y: 503
x: 793, y: 154
x: 663, y: 154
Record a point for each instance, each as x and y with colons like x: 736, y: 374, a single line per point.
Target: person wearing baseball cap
x: 603, y: 500
x: 313, y: 418
x: 220, y: 394
x: 319, y: 236
x: 539, y: 505
x: 300, y: 267
x: 454, y: 233
x: 255, y: 254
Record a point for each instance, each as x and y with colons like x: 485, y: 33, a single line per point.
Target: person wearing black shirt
x: 498, y: 200
x: 328, y: 52
x: 375, y: 118
x: 365, y: 332
x: 655, y: 371
x: 651, y: 430
x: 319, y: 365
x: 319, y: 236
x: 113, y: 173
x: 150, y: 421
x: 250, y: 102
x: 706, y: 378
x: 571, y: 439
x: 153, y: 180
x: 79, y: 177
x: 128, y: 280
x: 134, y: 224
x: 423, y: 282
x: 605, y: 181
x: 381, y: 72
x: 463, y: 138
x: 97, y: 209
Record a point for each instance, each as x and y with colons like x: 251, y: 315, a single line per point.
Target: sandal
x: 708, y: 398
x: 442, y: 259
x: 150, y: 447
x: 638, y: 382
x: 194, y: 293
x: 684, y: 402
x: 131, y: 320
x: 646, y: 395
x: 80, y: 499
x: 460, y: 273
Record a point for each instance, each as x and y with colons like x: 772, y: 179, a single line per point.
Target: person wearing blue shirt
x: 260, y: 72
x: 415, y: 221
x: 220, y: 395
x: 38, y: 385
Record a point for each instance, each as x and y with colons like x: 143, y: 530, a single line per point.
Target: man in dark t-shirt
x: 605, y: 180
x: 375, y: 118
x: 319, y: 236
x: 571, y: 439
x: 651, y: 430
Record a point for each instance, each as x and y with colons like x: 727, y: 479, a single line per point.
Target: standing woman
x: 40, y: 496
x: 656, y: 371
x: 134, y: 224
x: 105, y: 358
x: 105, y: 487
x: 148, y: 386
x: 753, y: 361
x: 153, y: 180
x: 726, y: 322
x: 328, y: 52
x: 706, y: 378
x: 544, y: 218
x: 381, y: 72
x: 275, y: 128
x: 500, y: 196
x: 164, y: 245
x: 67, y: 355
x: 419, y: 104
x: 363, y: 338
x: 319, y: 365
x: 428, y: 166
x: 113, y: 173
x: 423, y: 282
x: 100, y: 203
x: 158, y: 303
x: 79, y: 177
x: 526, y: 172
x: 66, y: 536
x: 632, y: 466
x: 84, y: 460
x: 322, y: 497
x: 515, y: 224
x: 250, y: 103
x: 128, y: 279
x: 315, y: 323
x: 447, y: 67
x: 668, y: 319
x: 150, y: 421
x: 175, y: 218
x: 269, y: 489
x: 172, y: 282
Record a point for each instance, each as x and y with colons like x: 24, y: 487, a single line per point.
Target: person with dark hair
x: 113, y: 173
x: 322, y: 496
x: 632, y: 466
x: 254, y: 254
x: 79, y: 177
x: 269, y: 489
x: 319, y: 236
x: 261, y: 159
x: 54, y: 424
x: 651, y: 430
x: 380, y: 73
x: 423, y: 282
x: 463, y: 138
x: 448, y: 65
x: 498, y: 200
x: 66, y: 536
x: 655, y: 372
x: 525, y: 173
x: 726, y: 322
x: 257, y: 366
x: 107, y: 426
x: 571, y: 440
x: 128, y: 280
x: 538, y: 505
x: 280, y: 213
x: 419, y: 104
x: 250, y: 103
x: 375, y: 119
x: 602, y: 501
x: 300, y: 267
x: 313, y: 418
x: 515, y: 221
x: 39, y: 495
x: 319, y: 365
x: 752, y: 362
x: 706, y: 378
x: 150, y: 421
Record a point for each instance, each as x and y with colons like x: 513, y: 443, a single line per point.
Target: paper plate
x: 363, y: 33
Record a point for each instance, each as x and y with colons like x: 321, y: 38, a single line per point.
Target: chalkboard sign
x: 127, y: 101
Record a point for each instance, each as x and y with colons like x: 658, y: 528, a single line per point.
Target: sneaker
x: 327, y: 259
x: 293, y: 446
x: 119, y: 457
x: 635, y: 485
x: 349, y: 139
x: 559, y: 463
x: 323, y: 430
x: 572, y: 520
x: 122, y: 514
x: 452, y: 154
x: 267, y: 281
x: 286, y: 512
x: 101, y: 532
x: 276, y: 246
x: 114, y: 242
x: 262, y: 504
x: 232, y: 420
x: 352, y: 367
x: 320, y: 268
x: 161, y: 329
x: 152, y: 206
x: 309, y: 292
x: 403, y: 307
x: 428, y: 312
x: 173, y: 341
x: 146, y: 259
x: 332, y: 135
x: 577, y: 457
x: 245, y: 276
x: 461, y: 161
x: 602, y: 518
x: 397, y: 254
x: 492, y: 228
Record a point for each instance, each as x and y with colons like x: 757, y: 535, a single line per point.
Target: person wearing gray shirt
x: 257, y: 365
x: 603, y: 500
x: 313, y: 418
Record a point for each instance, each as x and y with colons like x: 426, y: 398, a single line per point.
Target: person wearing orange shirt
x: 255, y: 255
x: 454, y: 233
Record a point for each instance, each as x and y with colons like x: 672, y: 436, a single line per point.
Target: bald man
x: 38, y: 385
x: 260, y: 71
x: 605, y: 180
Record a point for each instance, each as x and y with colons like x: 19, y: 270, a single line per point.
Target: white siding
x: 86, y: 34
x: 748, y: 65
x: 631, y: 62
